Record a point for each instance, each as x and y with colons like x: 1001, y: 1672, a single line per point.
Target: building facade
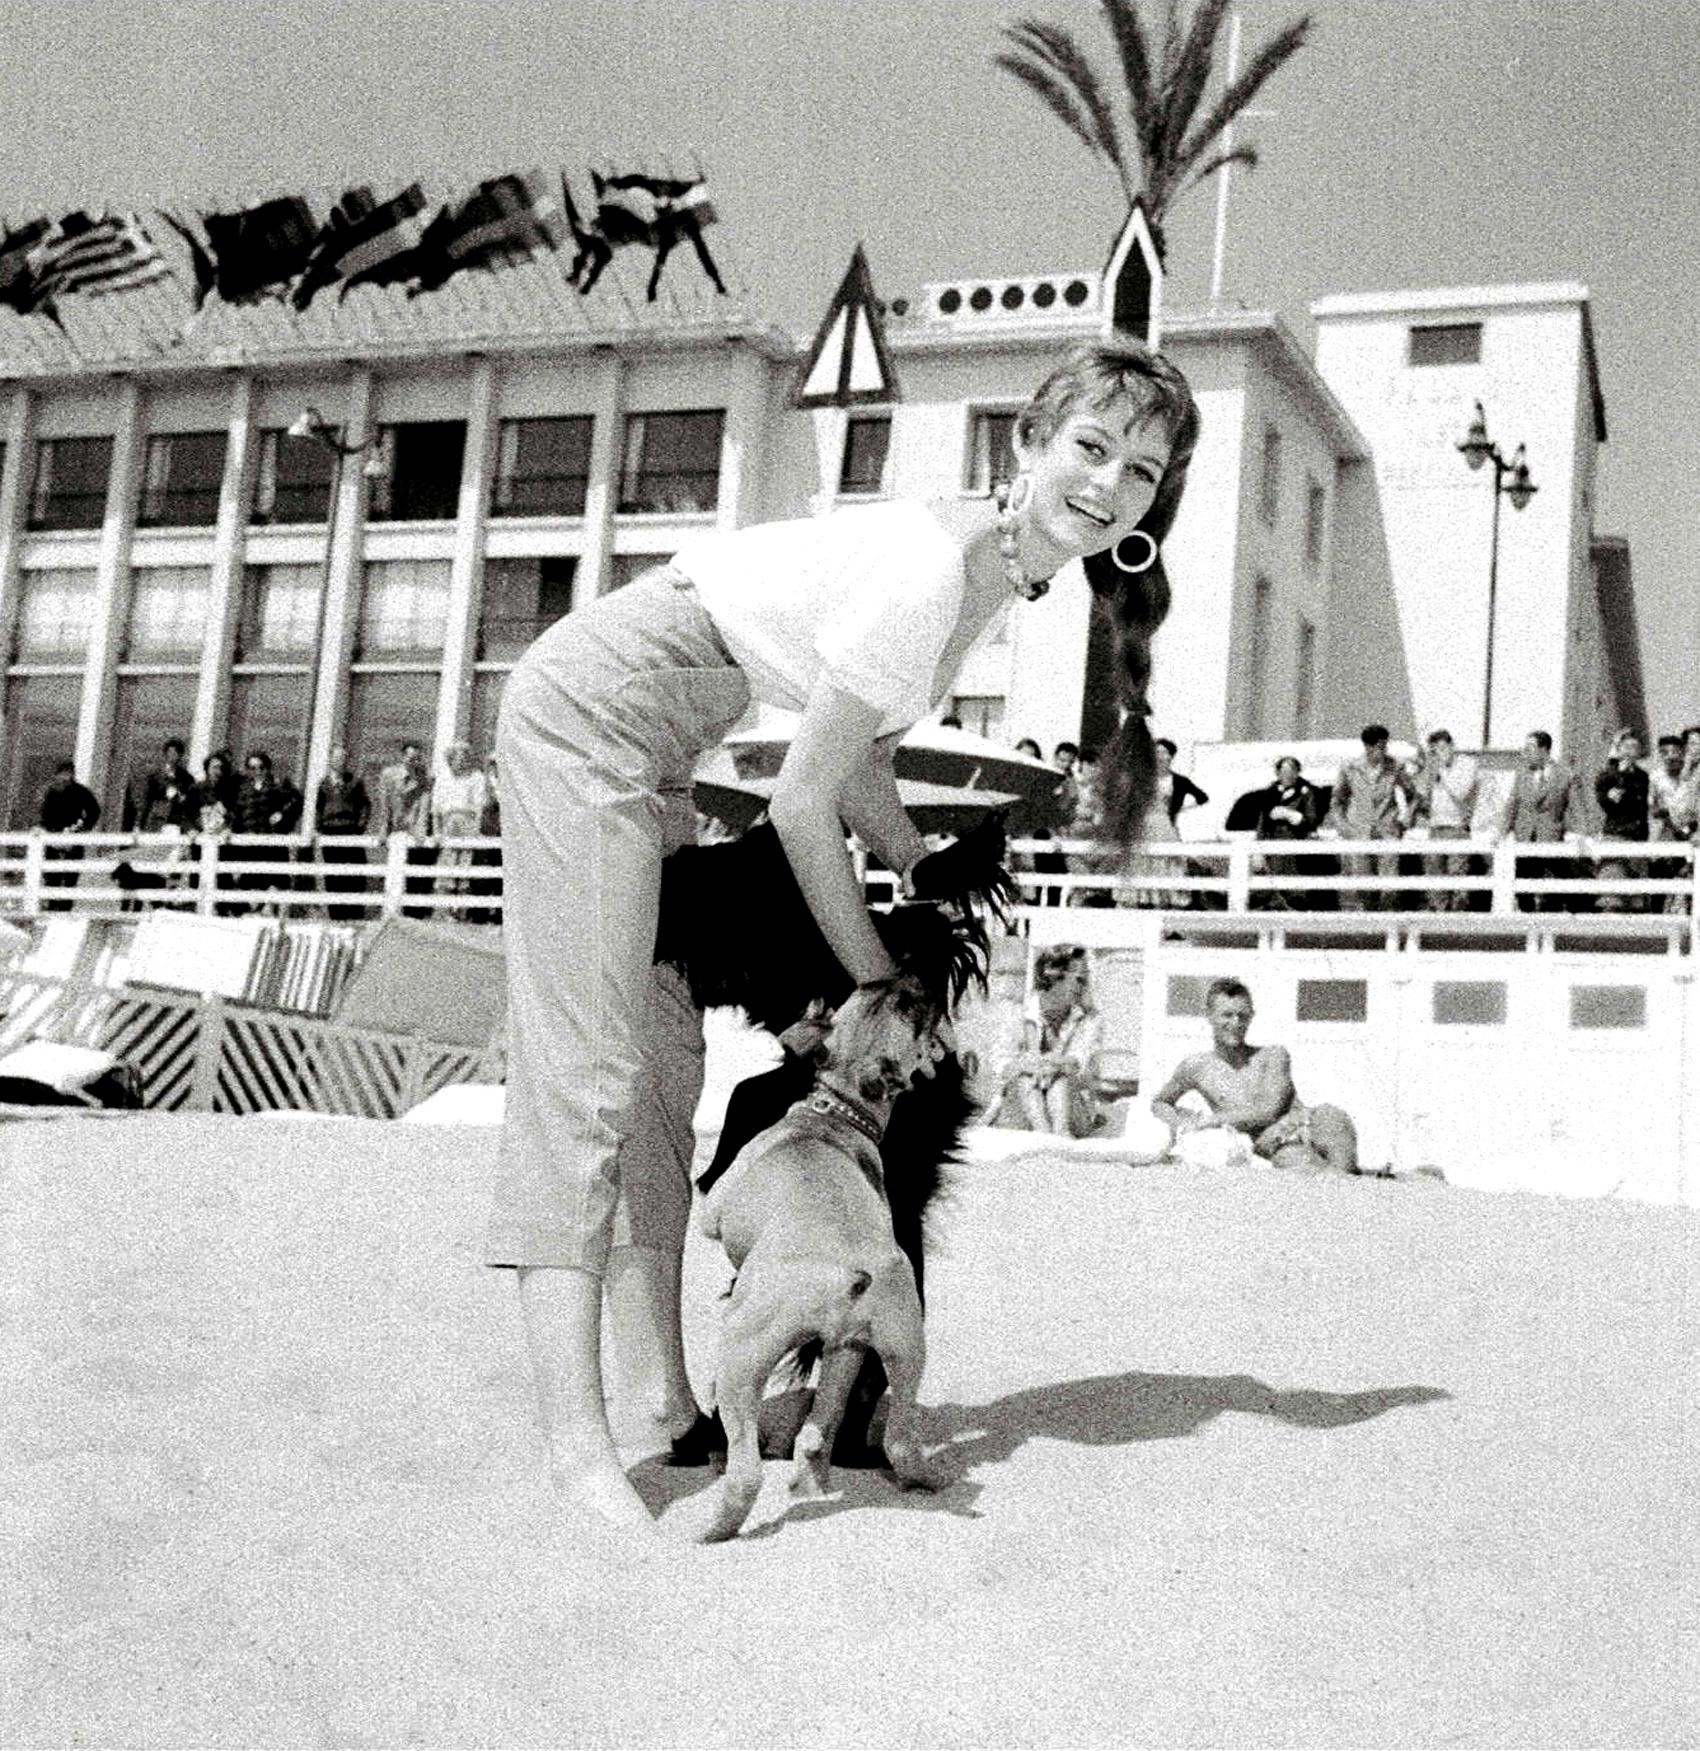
x: 175, y: 560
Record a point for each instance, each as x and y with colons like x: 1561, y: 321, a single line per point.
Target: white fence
x: 360, y: 879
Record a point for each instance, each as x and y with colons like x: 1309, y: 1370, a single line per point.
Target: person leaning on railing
x: 1622, y: 788
x: 1444, y: 786
x: 67, y: 806
x: 342, y: 810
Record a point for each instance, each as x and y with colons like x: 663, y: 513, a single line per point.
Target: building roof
x: 526, y: 307
x: 1452, y: 300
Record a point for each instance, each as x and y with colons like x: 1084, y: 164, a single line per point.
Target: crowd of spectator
x: 1437, y: 795
x: 174, y: 812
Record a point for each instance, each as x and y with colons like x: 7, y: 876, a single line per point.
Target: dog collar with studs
x: 831, y: 1106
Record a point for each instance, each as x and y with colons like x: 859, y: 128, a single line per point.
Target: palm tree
x: 1168, y: 146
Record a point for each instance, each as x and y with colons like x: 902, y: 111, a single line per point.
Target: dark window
x: 1448, y: 343
x: 1333, y: 1000
x: 1269, y: 479
x: 270, y: 711
x: 294, y: 481
x: 182, y: 478
x: 522, y: 597
x: 421, y: 463
x: 70, y: 483
x: 1316, y: 512
x: 867, y: 439
x: 1469, y: 1003
x: 672, y: 462
x: 145, y: 710
x: 980, y: 712
x: 991, y: 449
x: 41, y: 730
x: 1608, y: 1006
x: 542, y: 468
x: 1304, y: 682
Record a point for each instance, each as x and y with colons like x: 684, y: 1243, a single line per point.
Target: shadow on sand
x: 1103, y: 1410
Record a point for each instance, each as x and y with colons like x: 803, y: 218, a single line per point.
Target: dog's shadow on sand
x: 1102, y: 1410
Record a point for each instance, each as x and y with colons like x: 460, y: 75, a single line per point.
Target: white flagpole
x: 1227, y: 171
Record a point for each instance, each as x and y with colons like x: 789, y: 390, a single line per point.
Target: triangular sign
x: 1133, y: 281
x: 849, y: 361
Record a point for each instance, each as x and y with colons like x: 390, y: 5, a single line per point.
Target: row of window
x: 670, y: 464
x: 1453, y: 1002
x: 404, y: 607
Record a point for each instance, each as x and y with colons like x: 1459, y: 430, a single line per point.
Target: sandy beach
x: 1244, y: 1460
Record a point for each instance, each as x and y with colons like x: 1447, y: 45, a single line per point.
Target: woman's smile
x: 1092, y: 481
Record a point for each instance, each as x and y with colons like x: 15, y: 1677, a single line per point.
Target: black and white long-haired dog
x: 734, y: 921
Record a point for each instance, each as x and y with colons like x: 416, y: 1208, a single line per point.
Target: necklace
x: 1009, y: 554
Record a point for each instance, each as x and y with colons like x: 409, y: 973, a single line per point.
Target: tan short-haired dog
x: 803, y: 1216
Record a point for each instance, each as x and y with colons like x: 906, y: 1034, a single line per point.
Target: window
x: 1257, y: 676
x: 69, y: 491
x: 279, y: 618
x: 1304, y: 684
x: 1447, y: 343
x: 542, y: 468
x: 421, y: 467
x: 623, y: 567
x: 1316, y: 520
x: 1186, y: 994
x: 168, y: 613
x: 1333, y: 1000
x: 991, y: 449
x: 146, y: 709
x: 386, y: 708
x: 404, y: 609
x: 521, y: 598
x: 1608, y: 1006
x: 981, y: 713
x: 672, y: 462
x: 41, y: 730
x: 867, y: 442
x: 1269, y: 478
x: 1468, y: 1003
x: 294, y: 481
x: 55, y: 615
x: 270, y: 711
x: 181, y: 479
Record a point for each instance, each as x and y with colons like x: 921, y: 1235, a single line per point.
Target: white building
x: 173, y: 561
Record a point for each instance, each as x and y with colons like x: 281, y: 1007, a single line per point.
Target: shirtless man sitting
x: 1250, y: 1089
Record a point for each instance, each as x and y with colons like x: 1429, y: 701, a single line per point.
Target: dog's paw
x: 811, y: 1471
x: 915, y: 1470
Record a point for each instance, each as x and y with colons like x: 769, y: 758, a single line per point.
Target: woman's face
x: 1093, y: 479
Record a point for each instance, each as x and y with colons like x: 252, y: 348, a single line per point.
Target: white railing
x: 1651, y: 885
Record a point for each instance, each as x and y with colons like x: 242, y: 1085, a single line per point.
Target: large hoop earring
x: 1016, y: 493
x: 1151, y: 552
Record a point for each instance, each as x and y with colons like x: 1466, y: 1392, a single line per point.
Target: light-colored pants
x: 601, y: 723
x: 1359, y: 863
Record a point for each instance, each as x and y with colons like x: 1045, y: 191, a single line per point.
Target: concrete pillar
x: 340, y: 605
x: 741, y: 441
x: 224, y: 601
x: 466, y: 566
x: 111, y: 592
x: 14, y: 493
x: 602, y: 492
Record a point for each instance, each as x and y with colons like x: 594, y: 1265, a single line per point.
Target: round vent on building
x: 1044, y: 295
x: 950, y: 301
x: 1013, y: 297
x: 981, y: 298
x: 1075, y: 293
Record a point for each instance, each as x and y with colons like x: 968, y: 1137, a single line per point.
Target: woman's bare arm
x: 871, y: 805
x: 834, y: 739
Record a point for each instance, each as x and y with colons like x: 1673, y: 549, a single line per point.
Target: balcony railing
x: 1510, y: 888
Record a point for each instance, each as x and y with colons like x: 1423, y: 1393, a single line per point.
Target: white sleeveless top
x: 866, y: 597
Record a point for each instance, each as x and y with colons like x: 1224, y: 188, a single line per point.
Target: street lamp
x: 1476, y: 449
x: 311, y: 423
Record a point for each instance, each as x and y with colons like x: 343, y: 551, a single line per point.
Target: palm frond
x: 1192, y: 74
x: 1133, y: 49
x: 1264, y: 64
x: 1057, y: 98
x: 1172, y: 38
x: 1051, y: 47
x: 1246, y: 155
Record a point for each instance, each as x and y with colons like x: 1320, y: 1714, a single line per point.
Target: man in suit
x: 1545, y: 806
